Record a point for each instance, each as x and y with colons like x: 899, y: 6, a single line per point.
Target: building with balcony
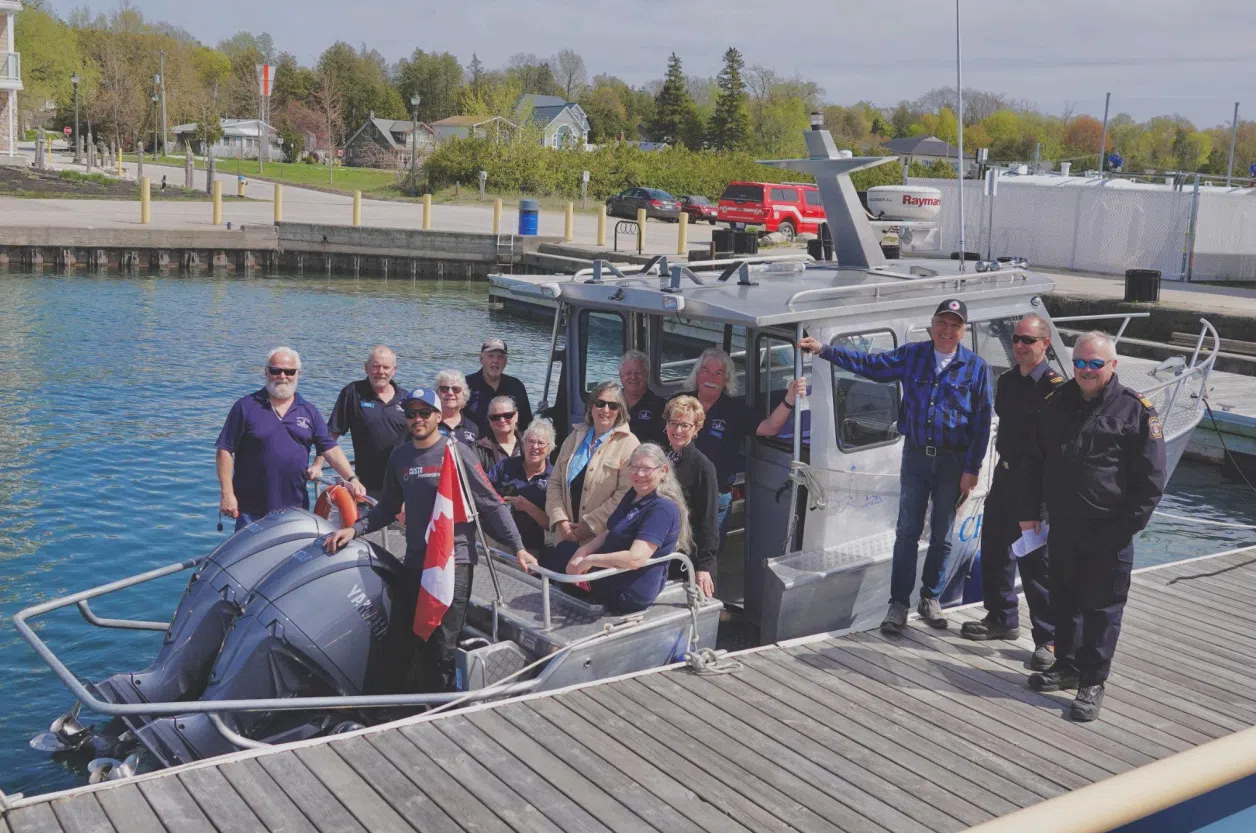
x: 10, y: 78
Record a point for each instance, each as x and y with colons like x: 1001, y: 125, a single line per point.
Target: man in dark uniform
x: 645, y: 407
x: 369, y: 410
x: 1020, y: 393
x: 1096, y: 455
x: 490, y: 382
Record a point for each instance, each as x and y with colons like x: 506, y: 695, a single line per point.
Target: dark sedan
x: 657, y: 204
x: 698, y: 209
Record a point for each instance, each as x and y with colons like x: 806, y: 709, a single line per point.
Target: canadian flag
x: 436, y: 589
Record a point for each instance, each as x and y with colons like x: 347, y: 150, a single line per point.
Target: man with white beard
x: 264, y: 447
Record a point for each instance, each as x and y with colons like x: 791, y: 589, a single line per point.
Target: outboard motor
x: 313, y: 627
x: 214, y: 597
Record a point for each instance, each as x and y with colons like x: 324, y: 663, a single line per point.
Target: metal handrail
x: 125, y: 624
x: 907, y: 282
x: 704, y: 265
x: 1108, y: 317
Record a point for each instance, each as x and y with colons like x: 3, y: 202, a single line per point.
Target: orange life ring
x: 339, y: 497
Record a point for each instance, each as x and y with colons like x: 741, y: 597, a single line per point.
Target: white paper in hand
x: 1029, y: 541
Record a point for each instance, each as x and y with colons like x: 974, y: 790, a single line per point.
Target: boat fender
x: 339, y: 497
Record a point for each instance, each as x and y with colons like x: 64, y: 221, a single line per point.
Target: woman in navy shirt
x: 522, y: 480
x: 451, y: 386
x: 651, y: 520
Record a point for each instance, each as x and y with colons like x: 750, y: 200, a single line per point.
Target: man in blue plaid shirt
x: 945, y: 418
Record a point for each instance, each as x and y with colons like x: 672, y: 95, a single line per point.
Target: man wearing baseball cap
x: 489, y: 382
x: 945, y: 418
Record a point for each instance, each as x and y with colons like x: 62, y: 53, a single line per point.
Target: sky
x: 1157, y: 57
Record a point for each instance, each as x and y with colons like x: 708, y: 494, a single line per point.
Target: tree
x: 475, y: 71
x: 729, y: 127
x: 328, y: 105
x: 902, y: 119
x: 1082, y: 135
x: 533, y: 74
x: 569, y: 72
x: 436, y: 78
x: 50, y: 55
x: 608, y: 117
x: 361, y: 83
x: 673, y: 108
x: 261, y: 47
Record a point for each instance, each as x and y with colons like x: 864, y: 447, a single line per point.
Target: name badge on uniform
x: 368, y: 404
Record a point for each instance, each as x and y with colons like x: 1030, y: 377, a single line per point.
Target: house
x: 466, y: 127
x: 10, y: 81
x: 384, y: 143
x: 563, y: 123
x: 927, y: 150
x: 240, y: 140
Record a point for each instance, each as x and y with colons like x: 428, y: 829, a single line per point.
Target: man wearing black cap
x: 945, y: 418
x: 489, y: 382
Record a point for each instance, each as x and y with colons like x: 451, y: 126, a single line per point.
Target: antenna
x: 959, y: 93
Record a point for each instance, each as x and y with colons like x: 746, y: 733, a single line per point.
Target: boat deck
x: 851, y: 733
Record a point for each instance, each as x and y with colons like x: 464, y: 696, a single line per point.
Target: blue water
x: 112, y: 391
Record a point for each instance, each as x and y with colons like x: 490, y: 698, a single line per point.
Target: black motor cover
x: 313, y: 627
x: 214, y: 597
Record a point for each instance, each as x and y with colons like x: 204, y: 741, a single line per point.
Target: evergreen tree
x: 476, y: 72
x: 729, y: 127
x: 673, y: 108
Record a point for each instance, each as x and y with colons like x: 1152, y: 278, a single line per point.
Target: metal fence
x: 1106, y: 227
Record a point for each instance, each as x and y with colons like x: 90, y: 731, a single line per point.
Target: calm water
x: 112, y: 391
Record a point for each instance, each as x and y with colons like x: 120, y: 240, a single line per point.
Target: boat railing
x: 1125, y: 318
x: 660, y: 266
x: 911, y: 283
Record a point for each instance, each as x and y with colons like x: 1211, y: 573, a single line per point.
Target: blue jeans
x: 924, y: 479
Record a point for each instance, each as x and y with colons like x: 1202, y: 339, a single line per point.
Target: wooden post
x: 427, y: 212
x: 217, y: 192
x: 278, y: 203
x: 146, y: 212
x: 601, y: 224
x: 569, y: 222
x: 497, y: 216
x: 682, y: 234
x: 641, y: 231
x: 357, y: 208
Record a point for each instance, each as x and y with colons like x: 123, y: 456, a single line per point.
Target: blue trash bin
x: 529, y: 211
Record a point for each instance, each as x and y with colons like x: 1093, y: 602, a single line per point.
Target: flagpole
x: 474, y: 515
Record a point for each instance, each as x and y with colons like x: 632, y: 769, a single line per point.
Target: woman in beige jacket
x: 591, y: 476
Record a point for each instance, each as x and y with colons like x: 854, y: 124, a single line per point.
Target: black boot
x: 1058, y: 677
x: 1087, y: 704
x: 988, y: 629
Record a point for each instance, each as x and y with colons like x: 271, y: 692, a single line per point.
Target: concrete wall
x: 398, y: 242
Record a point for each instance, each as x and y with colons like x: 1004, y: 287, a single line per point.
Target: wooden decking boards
x: 854, y: 734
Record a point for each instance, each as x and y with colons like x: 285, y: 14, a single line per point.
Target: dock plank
x: 400, y: 792
x: 265, y: 798
x: 219, y: 801
x: 81, y: 814
x: 34, y: 818
x: 174, y: 807
x: 322, y: 808
x: 357, y: 796
x: 128, y: 810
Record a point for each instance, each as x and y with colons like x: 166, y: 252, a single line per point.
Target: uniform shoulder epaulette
x: 1145, y: 401
x: 1057, y: 379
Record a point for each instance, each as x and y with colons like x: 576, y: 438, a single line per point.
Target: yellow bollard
x: 146, y: 211
x: 682, y: 234
x: 497, y: 216
x: 427, y: 212
x: 569, y: 222
x: 278, y: 203
x: 601, y: 224
x: 640, y: 231
x: 119, y: 163
x: 357, y: 208
x: 217, y: 192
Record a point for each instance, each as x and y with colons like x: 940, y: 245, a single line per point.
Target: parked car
x: 790, y: 208
x: 659, y: 205
x: 698, y: 209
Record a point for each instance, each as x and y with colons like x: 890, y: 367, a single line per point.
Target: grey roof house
x: 467, y: 127
x: 564, y: 123
x: 382, y: 143
x: 240, y: 139
x: 927, y: 150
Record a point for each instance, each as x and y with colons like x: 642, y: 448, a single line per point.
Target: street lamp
x: 155, y: 127
x: 414, y: 141
x: 74, y: 79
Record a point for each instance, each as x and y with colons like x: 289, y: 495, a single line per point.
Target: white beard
x: 281, y: 388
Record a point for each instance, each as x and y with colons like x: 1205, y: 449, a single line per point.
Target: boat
x: 275, y: 641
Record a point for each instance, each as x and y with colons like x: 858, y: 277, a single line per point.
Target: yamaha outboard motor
x: 313, y: 627
x: 214, y: 597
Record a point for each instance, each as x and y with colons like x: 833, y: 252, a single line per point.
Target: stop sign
x: 68, y: 131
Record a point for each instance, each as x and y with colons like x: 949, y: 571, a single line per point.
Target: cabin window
x: 993, y: 340
x: 602, y: 334
x: 683, y: 345
x: 776, y: 370
x: 865, y: 413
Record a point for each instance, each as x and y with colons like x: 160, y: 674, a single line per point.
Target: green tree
x: 50, y: 55
x: 673, y: 108
x: 436, y: 78
x: 729, y: 126
x: 475, y: 72
x: 362, y: 85
x: 902, y: 119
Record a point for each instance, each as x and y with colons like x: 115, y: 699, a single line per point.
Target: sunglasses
x: 1093, y: 364
x: 602, y: 403
x: 419, y: 413
x: 281, y: 371
x: 1026, y: 339
x: 502, y: 417
x: 449, y: 389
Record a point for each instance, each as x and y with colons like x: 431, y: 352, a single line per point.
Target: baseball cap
x: 426, y: 396
x: 493, y: 344
x: 955, y: 307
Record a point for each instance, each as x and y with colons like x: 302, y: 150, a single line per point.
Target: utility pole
x: 959, y: 90
x: 155, y: 126
x: 1234, y: 132
x: 414, y: 143
x: 165, y: 147
x: 74, y: 79
x: 1103, y: 142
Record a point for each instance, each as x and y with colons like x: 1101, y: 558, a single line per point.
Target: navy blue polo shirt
x: 375, y: 427
x: 272, y: 454
x: 645, y: 419
x: 466, y: 433
x: 482, y: 394
x: 722, y: 436
x: 510, y: 479
x: 653, y: 518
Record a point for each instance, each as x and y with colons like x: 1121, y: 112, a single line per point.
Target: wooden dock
x: 853, y: 733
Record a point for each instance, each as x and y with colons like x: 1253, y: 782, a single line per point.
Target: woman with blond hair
x: 682, y: 419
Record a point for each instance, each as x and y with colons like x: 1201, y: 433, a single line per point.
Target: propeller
x: 111, y: 769
x: 65, y: 734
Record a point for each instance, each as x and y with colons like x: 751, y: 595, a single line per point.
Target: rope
x: 710, y: 663
x: 1228, y: 452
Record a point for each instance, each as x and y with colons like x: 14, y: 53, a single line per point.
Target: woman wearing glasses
x: 699, y: 483
x: 650, y: 521
x: 503, y: 421
x: 451, y: 386
x: 522, y: 481
x: 591, y: 475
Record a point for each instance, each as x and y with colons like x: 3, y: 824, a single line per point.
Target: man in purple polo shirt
x: 264, y: 447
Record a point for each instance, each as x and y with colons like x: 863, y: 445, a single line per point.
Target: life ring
x: 338, y: 497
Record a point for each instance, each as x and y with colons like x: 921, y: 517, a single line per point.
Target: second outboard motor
x: 314, y: 627
x: 214, y: 597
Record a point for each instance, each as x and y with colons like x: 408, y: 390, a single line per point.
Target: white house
x: 240, y: 139
x: 564, y: 123
x: 10, y: 79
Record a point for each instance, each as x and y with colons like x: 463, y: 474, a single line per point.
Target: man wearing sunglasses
x: 264, y: 446
x: 411, y: 479
x: 1096, y: 458
x: 1019, y: 394
x: 490, y: 382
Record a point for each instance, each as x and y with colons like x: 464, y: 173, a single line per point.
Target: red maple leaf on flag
x: 436, y: 589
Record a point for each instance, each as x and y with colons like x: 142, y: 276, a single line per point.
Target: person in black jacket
x: 683, y: 417
x: 1096, y: 457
